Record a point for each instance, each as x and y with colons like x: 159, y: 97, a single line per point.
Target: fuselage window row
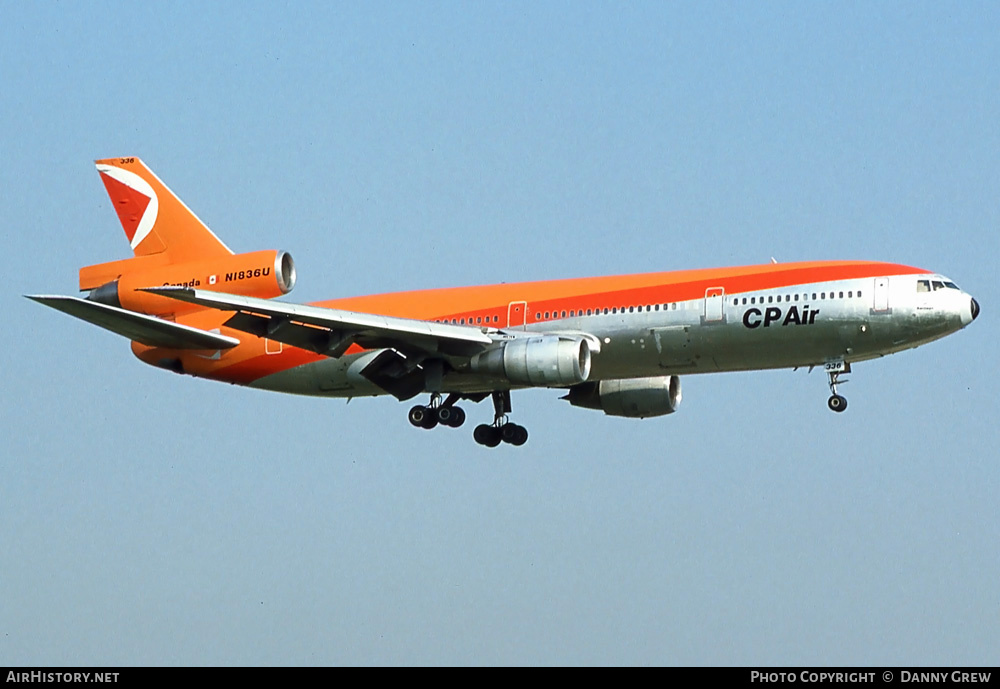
x: 795, y: 297
x: 672, y: 306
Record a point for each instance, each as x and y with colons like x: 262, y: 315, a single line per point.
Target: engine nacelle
x: 262, y: 274
x: 635, y: 398
x: 546, y: 360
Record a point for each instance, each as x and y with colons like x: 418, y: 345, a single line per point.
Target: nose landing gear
x: 837, y: 403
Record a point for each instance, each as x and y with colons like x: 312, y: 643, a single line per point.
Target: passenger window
x: 840, y: 296
x: 563, y: 314
x: 796, y: 297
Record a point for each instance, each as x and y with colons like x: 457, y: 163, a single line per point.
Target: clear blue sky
x: 150, y: 518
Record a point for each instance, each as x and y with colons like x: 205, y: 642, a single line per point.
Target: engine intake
x: 546, y: 360
x: 635, y: 398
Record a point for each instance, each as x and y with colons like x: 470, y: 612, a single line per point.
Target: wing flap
x: 149, y: 330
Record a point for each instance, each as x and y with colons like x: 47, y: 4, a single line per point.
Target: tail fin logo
x: 134, y: 200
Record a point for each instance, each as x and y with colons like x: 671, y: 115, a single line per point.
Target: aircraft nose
x: 975, y: 309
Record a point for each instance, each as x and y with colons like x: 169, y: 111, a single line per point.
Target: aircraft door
x: 714, y: 299
x: 517, y: 314
x: 881, y: 296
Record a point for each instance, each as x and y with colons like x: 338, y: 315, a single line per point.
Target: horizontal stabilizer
x: 149, y: 330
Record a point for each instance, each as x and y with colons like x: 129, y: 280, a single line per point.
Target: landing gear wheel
x: 522, y: 436
x: 451, y: 416
x: 514, y: 434
x: 837, y: 403
x: 487, y: 435
x: 422, y: 417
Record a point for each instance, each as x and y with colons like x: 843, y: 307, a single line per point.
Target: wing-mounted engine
x: 635, y: 398
x: 262, y: 274
x: 545, y: 360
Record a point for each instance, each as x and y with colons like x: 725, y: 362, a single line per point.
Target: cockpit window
x: 923, y: 285
x: 951, y: 285
x: 938, y: 285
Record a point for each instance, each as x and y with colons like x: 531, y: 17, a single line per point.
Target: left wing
x: 149, y: 330
x: 331, y: 331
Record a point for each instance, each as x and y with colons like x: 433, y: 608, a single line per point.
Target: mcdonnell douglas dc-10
x: 616, y: 344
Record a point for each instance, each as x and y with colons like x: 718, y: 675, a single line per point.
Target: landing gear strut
x: 837, y: 403
x: 437, y: 412
x: 501, y: 430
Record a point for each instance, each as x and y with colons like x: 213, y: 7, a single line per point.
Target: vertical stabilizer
x: 155, y: 221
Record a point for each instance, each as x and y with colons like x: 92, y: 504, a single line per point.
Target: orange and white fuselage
x: 614, y: 343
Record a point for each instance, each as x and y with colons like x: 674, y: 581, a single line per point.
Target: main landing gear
x: 837, y: 403
x: 437, y: 412
x: 501, y: 430
x: 447, y: 414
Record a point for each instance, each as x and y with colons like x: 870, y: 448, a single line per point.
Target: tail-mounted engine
x: 262, y: 274
x: 635, y: 398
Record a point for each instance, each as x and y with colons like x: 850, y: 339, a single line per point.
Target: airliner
x: 616, y: 344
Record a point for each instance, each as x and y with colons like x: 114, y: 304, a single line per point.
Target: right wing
x: 149, y: 330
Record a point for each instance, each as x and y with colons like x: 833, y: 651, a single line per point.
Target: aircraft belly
x: 325, y: 378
